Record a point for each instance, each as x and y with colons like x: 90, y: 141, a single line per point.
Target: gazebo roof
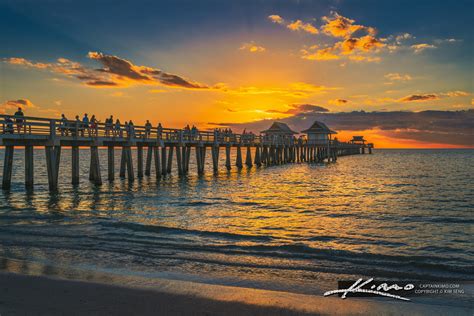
x: 318, y: 128
x: 358, y: 138
x: 279, y: 128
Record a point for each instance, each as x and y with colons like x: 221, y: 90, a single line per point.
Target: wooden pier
x: 156, y: 148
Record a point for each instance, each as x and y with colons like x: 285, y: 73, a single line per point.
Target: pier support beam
x: 140, y: 161
x: 238, y: 161
x: 110, y: 163
x: 52, y: 165
x: 123, y: 163
x: 179, y: 160
x: 215, y: 158
x: 227, y: 157
x: 29, y: 167
x: 187, y: 149
x: 203, y: 158
x: 163, y: 160
x: 95, y: 166
x: 129, y: 163
x: 257, y: 161
x: 248, y: 157
x: 156, y: 153
x: 149, y: 156
x: 75, y: 165
x: 7, y: 167
x: 170, y: 159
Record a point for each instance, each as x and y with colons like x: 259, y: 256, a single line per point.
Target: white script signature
x: 380, y: 290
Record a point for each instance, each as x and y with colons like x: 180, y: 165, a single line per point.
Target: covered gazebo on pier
x: 319, y: 133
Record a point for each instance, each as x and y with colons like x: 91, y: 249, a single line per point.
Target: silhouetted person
x: 8, y: 127
x: 19, y: 119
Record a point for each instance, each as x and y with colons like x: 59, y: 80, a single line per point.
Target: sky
x: 398, y: 72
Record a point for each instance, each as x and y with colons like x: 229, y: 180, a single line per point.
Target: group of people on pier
x: 89, y: 126
x: 8, y: 127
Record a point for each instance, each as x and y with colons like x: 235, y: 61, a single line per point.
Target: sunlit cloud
x: 295, y: 90
x: 340, y: 26
x: 418, y: 48
x: 13, y: 105
x: 276, y: 19
x: 395, y: 76
x: 320, y: 54
x: 297, y: 25
x: 457, y: 93
x: 252, y: 47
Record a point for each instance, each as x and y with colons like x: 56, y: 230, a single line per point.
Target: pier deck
x: 161, y: 145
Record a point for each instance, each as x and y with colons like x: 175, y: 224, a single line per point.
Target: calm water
x: 401, y: 214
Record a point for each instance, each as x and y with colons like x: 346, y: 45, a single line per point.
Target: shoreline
x: 32, y: 294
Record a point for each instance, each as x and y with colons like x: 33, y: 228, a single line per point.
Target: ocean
x: 392, y: 215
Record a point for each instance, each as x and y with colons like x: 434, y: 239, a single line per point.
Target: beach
x: 39, y: 295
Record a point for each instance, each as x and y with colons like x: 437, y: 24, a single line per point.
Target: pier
x: 157, y: 147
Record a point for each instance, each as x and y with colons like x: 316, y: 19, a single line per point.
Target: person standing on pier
x: 78, y: 126
x: 93, y: 126
x: 109, y: 125
x: 147, y: 129
x: 64, y: 126
x: 85, y: 125
x: 19, y: 119
x: 159, y: 130
x: 117, y: 129
x: 8, y: 126
x: 131, y: 128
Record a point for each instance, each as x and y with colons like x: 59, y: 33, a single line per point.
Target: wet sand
x: 39, y: 295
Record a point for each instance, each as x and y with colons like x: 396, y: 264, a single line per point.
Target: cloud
x: 297, y: 25
x: 403, y: 37
x: 13, y: 105
x: 441, y: 127
x: 354, y: 42
x: 361, y: 58
x: 366, y: 44
x: 115, y: 72
x: 300, y: 108
x: 338, y: 101
x: 419, y: 98
x: 418, y: 48
x: 252, y: 47
x: 447, y: 40
x: 321, y: 54
x: 339, y: 26
x: 276, y: 19
x: 456, y: 93
x: 295, y: 90
x: 395, y: 76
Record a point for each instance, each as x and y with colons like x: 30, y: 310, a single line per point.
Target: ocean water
x: 396, y: 215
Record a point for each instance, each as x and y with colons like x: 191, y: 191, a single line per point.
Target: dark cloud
x: 444, y: 127
x: 419, y: 98
x: 115, y: 72
x: 301, y: 108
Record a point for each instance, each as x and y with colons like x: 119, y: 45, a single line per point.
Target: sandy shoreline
x: 33, y: 295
